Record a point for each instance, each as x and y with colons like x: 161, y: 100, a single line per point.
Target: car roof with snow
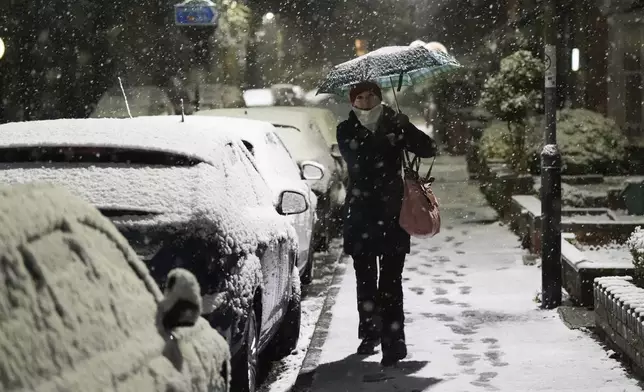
x: 329, y: 120
x: 276, y: 115
x: 192, y: 138
x: 246, y: 128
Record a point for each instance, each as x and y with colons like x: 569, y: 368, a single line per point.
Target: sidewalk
x: 471, y: 320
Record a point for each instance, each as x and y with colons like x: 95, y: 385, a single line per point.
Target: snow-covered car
x: 183, y: 196
x: 339, y: 106
x: 80, y: 312
x: 142, y: 101
x: 214, y: 96
x: 327, y: 123
x: 259, y: 97
x: 280, y: 171
x: 303, y: 139
x: 288, y: 94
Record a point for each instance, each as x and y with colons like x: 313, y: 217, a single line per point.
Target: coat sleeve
x: 418, y: 142
x: 344, y: 143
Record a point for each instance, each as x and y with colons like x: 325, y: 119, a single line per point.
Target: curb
x: 306, y: 376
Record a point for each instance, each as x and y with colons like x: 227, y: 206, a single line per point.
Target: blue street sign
x: 196, y: 13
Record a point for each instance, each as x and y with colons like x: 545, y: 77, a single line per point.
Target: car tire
x: 323, y: 237
x: 307, y: 275
x: 285, y: 341
x: 244, y: 375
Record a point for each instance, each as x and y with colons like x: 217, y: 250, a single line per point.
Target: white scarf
x: 369, y: 118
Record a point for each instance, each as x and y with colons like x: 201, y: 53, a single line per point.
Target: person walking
x: 372, y: 141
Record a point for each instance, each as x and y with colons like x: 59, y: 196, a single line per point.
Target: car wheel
x: 244, y: 378
x: 285, y: 341
x: 307, y: 275
x: 324, y: 235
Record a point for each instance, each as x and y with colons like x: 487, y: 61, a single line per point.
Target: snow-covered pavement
x: 472, y: 322
x: 283, y: 374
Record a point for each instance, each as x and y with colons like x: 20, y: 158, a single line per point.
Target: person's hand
x: 402, y: 119
x: 395, y: 137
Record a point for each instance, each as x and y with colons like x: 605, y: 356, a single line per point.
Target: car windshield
x: 86, y: 154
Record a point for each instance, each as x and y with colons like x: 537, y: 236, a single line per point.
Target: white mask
x: 369, y: 118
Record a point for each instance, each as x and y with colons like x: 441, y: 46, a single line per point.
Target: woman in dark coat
x: 372, y: 142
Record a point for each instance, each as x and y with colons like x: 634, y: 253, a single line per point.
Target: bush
x: 636, y: 247
x: 514, y: 92
x: 512, y: 95
x: 589, y: 142
x: 495, y: 141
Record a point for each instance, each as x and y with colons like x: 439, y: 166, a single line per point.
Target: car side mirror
x: 335, y: 151
x: 181, y: 305
x: 311, y: 170
x: 292, y: 203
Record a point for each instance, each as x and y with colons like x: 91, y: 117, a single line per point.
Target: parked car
x: 142, y: 101
x: 280, y: 171
x: 288, y: 94
x: 80, y: 312
x: 303, y: 139
x: 184, y: 196
x: 258, y: 97
x: 327, y: 123
x: 215, y: 96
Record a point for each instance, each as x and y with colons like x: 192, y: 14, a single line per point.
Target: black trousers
x: 380, y: 298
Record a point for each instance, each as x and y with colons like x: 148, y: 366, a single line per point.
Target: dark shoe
x: 393, y: 353
x: 368, y: 346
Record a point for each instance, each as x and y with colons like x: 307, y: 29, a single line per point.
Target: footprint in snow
x: 439, y: 291
x: 417, y: 290
x: 465, y: 290
x: 460, y: 346
x: 465, y: 359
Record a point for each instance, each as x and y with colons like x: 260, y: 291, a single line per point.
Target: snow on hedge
x: 78, y: 310
x: 636, y: 246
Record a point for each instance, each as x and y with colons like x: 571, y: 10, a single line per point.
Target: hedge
x: 636, y: 247
x: 589, y: 143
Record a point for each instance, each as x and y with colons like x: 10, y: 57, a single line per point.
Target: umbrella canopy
x: 391, y: 66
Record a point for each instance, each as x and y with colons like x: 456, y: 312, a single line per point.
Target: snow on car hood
x: 185, y: 196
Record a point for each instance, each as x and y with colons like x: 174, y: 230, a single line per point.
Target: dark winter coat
x: 375, y: 190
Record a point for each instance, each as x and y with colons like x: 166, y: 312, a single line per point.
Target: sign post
x: 198, y: 19
x: 196, y: 13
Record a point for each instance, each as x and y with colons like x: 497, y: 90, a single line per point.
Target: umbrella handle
x: 394, y: 90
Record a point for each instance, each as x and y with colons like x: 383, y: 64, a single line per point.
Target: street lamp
x: 1, y: 47
x: 269, y: 16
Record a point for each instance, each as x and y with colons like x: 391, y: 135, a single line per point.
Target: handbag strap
x: 413, y: 165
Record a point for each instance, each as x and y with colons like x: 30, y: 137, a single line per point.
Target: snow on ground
x: 283, y: 374
x: 472, y: 324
